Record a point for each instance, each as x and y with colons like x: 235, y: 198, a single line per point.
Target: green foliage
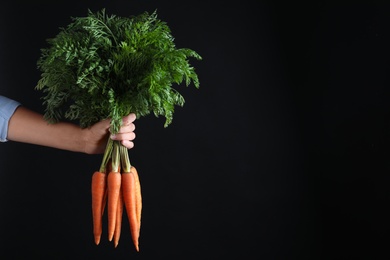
x: 105, y: 66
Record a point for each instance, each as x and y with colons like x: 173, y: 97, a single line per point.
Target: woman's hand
x: 28, y: 126
x: 96, y: 136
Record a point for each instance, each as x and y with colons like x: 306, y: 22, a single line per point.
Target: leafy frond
x: 105, y: 66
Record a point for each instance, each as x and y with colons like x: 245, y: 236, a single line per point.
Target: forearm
x: 30, y: 127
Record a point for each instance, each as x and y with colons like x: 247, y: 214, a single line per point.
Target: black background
x: 283, y: 152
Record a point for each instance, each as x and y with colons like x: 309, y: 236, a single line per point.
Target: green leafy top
x: 105, y: 66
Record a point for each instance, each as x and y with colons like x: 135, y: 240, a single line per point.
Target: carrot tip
x: 97, y: 240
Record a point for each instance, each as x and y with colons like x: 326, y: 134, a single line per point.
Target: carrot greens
x: 105, y: 66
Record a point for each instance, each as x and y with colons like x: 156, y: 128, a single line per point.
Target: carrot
x: 131, y: 195
x: 99, y: 193
x: 98, y: 188
x: 113, y: 190
x: 108, y: 170
x: 129, y: 200
x: 138, y: 196
x: 118, y: 223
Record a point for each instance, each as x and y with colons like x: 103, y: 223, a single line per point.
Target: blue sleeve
x: 7, y: 109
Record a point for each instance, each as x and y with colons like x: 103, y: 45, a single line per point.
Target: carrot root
x: 113, y: 192
x: 138, y: 196
x: 130, y: 198
x: 118, y: 223
x: 98, y: 189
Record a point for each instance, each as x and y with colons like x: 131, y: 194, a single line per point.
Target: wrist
x: 84, y: 141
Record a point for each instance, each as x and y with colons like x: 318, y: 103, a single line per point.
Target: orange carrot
x: 138, y: 196
x: 118, y: 223
x: 131, y: 191
x: 129, y: 200
x: 113, y: 191
x: 108, y: 170
x: 98, y: 188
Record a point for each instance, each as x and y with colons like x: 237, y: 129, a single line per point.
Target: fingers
x: 126, y: 139
x: 123, y: 136
x: 127, y: 125
x: 128, y: 144
x: 130, y: 127
x: 126, y: 133
x: 127, y: 120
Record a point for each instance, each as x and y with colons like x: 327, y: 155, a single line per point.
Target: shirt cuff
x: 7, y: 109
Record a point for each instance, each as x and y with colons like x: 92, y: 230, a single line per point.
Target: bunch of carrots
x: 116, y: 186
x: 105, y: 66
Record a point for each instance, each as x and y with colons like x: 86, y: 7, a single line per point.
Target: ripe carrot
x: 108, y: 170
x: 99, y: 193
x: 131, y: 195
x: 113, y: 191
x: 118, y: 222
x: 98, y: 189
x: 138, y: 196
x: 129, y: 200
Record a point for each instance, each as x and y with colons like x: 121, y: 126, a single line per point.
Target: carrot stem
x: 107, y: 155
x: 115, y: 157
x: 125, y: 161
